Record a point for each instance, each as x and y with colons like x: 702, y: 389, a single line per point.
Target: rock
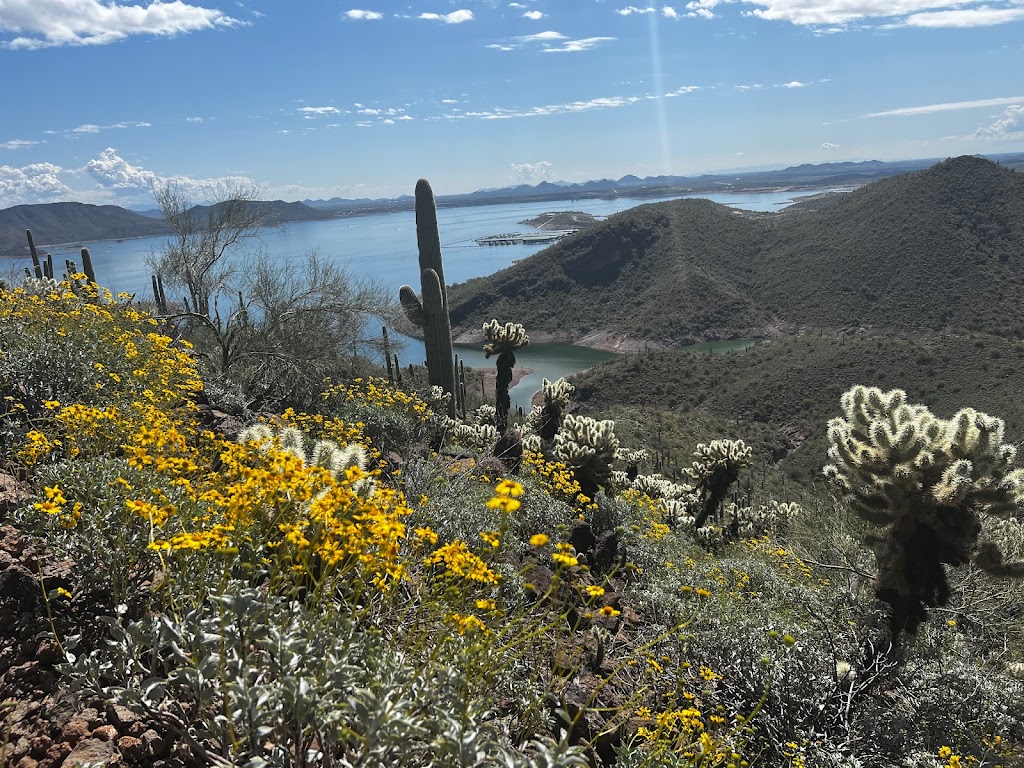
x: 26, y: 762
x: 76, y: 730
x: 155, y: 744
x: 55, y: 755
x: 39, y: 745
x: 582, y: 537
x: 12, y: 493
x: 606, y: 552
x: 48, y: 651
x: 131, y: 748
x: 105, y: 732
x: 122, y: 717
x: 95, y: 751
x: 137, y: 729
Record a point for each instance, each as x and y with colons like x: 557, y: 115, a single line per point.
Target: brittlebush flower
x: 538, y: 540
x: 508, y: 488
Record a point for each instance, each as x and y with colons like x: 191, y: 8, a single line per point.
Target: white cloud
x: 794, y: 84
x: 358, y: 14
x: 669, y: 12
x: 407, y: 117
x: 449, y: 101
x: 542, y: 36
x: 948, y: 107
x: 18, y: 143
x: 86, y: 128
x: 455, y: 17
x: 575, y: 46
x: 835, y: 14
x: 48, y: 23
x: 531, y: 173
x: 534, y: 15
x: 966, y: 17
x: 606, y: 102
x: 116, y: 177
x: 629, y: 10
x: 319, y: 111
x: 829, y: 145
x: 195, y: 120
x: 36, y: 183
x: 1009, y: 125
x: 702, y: 8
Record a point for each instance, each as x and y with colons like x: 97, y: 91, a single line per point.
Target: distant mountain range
x: 79, y: 222
x: 53, y: 223
x: 937, y: 250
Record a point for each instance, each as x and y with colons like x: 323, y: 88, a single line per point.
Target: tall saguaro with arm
x: 431, y: 312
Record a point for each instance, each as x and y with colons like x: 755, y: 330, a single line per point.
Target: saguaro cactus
x: 929, y: 484
x: 37, y: 267
x: 431, y: 313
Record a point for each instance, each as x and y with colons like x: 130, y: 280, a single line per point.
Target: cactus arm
x: 36, y: 265
x: 90, y: 273
x: 428, y: 237
x: 411, y: 305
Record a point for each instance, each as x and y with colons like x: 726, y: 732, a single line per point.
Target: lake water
x: 383, y: 247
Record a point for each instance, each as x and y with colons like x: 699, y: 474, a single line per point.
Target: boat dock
x: 522, y: 238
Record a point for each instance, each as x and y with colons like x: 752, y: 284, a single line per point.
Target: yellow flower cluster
x: 458, y: 559
x: 379, y: 393
x: 557, y: 480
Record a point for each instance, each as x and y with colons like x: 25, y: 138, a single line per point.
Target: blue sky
x: 104, y: 99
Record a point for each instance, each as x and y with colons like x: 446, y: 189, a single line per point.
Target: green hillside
x: 784, y: 392
x: 942, y: 249
x: 71, y: 222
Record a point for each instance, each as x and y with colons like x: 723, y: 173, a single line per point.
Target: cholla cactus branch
x: 716, y: 466
x: 503, y: 341
x: 928, y: 483
x: 556, y: 400
x: 588, y: 447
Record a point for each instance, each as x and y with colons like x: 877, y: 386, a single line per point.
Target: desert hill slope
x: 940, y: 249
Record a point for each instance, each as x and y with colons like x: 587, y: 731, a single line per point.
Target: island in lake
x: 563, y: 220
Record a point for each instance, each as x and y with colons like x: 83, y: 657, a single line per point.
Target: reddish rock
x: 39, y: 745
x: 155, y: 744
x: 137, y: 729
x: 48, y: 651
x: 131, y: 748
x: 55, y: 755
x: 105, y: 732
x: 76, y: 730
x: 26, y: 762
x: 122, y: 717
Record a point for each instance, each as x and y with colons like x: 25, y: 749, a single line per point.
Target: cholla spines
x: 716, y: 466
x: 335, y: 458
x: 556, y: 400
x: 928, y: 483
x: 588, y: 447
x: 503, y: 338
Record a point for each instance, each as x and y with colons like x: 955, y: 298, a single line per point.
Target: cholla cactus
x: 479, y: 435
x: 716, y: 466
x: 588, y: 447
x: 556, y: 400
x: 503, y: 341
x: 40, y: 286
x: 335, y: 458
x: 746, y: 522
x: 659, y: 487
x: 928, y: 483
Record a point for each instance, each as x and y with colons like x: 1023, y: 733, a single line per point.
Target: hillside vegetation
x: 941, y: 249
x: 53, y: 223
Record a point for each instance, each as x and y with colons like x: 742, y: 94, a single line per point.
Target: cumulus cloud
x: 669, y: 12
x: 829, y: 145
x: 358, y: 14
x: 702, y: 8
x: 117, y: 177
x: 534, y: 15
x: 794, y: 84
x: 531, y: 173
x: 49, y: 23
x: 550, y: 42
x: 455, y: 17
x: 36, y: 183
x: 629, y: 10
x: 948, y: 106
x: 1009, y: 125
